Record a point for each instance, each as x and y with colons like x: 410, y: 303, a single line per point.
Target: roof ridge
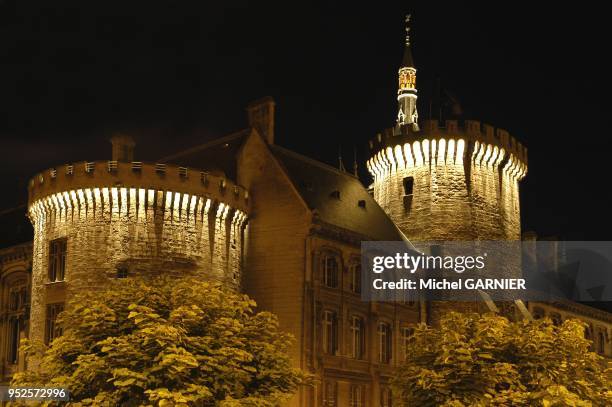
x: 204, y: 146
x: 312, y: 161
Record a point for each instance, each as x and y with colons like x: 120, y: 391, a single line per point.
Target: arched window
x: 330, y: 332
x: 331, y: 268
x: 357, y: 337
x: 385, y: 341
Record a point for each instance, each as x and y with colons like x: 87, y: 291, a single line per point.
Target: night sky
x: 176, y: 74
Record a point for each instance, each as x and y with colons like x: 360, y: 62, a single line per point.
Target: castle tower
x: 446, y: 182
x: 99, y: 221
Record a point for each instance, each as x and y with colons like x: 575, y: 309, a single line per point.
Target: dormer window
x: 335, y: 194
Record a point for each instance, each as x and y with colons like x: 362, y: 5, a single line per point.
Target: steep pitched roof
x: 335, y: 196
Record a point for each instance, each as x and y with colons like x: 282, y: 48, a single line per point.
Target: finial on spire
x: 408, y: 16
x: 355, y: 169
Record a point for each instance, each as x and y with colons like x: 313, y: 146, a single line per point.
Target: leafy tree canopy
x: 166, y: 342
x: 486, y: 360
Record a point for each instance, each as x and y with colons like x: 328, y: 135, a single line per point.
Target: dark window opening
x: 330, y: 271
x: 52, y: 328
x: 57, y: 259
x: 14, y: 329
x: 335, y: 194
x: 330, y: 332
x: 122, y: 272
x: 408, y: 185
x: 361, y: 203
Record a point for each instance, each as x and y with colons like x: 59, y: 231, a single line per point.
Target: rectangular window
x: 407, y: 334
x: 57, y: 259
x: 357, y: 396
x: 355, y: 281
x: 14, y: 329
x: 408, y: 185
x: 330, y: 332
x: 52, y: 328
x: 357, y: 337
x: 329, y: 394
x: 330, y: 271
x: 384, y: 342
x: 386, y: 397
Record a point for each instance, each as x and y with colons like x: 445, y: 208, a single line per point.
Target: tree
x: 486, y: 360
x: 166, y: 342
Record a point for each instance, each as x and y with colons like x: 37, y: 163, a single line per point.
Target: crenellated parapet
x: 87, y: 183
x: 474, y: 143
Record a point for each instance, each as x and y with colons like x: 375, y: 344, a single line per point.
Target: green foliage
x: 486, y: 360
x: 166, y: 342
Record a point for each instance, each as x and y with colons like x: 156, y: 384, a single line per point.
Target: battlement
x: 470, y: 131
x: 137, y: 175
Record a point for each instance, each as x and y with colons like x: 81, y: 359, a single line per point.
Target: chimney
x: 123, y: 147
x: 261, y: 117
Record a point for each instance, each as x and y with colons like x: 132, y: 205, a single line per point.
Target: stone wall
x: 141, y: 231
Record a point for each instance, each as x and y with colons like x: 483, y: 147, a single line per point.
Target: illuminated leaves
x: 489, y: 361
x: 167, y: 342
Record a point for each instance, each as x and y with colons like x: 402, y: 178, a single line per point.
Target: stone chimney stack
x: 261, y: 117
x: 123, y: 147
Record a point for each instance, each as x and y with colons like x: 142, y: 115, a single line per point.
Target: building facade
x: 279, y: 226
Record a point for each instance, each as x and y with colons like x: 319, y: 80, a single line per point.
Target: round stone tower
x: 98, y: 221
x: 446, y: 182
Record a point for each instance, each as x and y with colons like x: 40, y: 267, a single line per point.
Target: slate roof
x: 335, y: 196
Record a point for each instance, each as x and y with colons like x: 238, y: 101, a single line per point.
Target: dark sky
x: 179, y: 73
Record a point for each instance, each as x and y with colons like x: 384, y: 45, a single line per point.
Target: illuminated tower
x: 99, y: 221
x: 406, y: 91
x: 446, y: 181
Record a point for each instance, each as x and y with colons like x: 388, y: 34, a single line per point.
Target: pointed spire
x: 407, y: 61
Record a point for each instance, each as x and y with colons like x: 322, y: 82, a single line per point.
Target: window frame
x: 52, y: 328
x: 406, y: 336
x: 385, y: 342
x: 58, y: 250
x: 357, y: 337
x: 357, y: 395
x: 329, y: 334
x: 330, y: 393
x: 331, y: 276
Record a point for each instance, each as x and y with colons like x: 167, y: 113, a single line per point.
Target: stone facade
x: 120, y: 219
